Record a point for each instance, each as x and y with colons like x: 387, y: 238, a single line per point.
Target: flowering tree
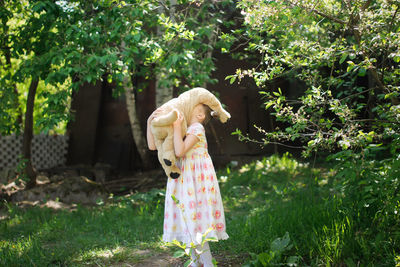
x: 347, y: 55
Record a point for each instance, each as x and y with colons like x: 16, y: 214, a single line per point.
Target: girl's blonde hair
x: 209, y: 113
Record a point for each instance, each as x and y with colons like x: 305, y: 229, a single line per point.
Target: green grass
x: 320, y: 210
x: 278, y: 210
x: 106, y: 234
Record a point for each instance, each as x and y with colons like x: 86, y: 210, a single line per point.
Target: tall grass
x: 322, y: 210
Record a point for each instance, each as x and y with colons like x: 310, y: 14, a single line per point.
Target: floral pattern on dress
x: 200, y: 206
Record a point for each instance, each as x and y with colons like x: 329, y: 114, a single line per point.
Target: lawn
x: 279, y: 211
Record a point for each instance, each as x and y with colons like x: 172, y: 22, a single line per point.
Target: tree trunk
x: 137, y: 133
x: 28, y: 134
x: 164, y: 94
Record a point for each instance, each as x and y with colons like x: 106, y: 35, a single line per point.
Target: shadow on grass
x: 263, y: 201
x: 44, y: 237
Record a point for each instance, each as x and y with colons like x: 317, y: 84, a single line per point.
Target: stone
x: 55, y: 205
x: 41, y: 179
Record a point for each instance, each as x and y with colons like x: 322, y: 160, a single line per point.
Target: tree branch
x: 388, y: 43
x: 320, y: 13
x: 366, y: 5
x: 373, y: 70
x: 348, y: 4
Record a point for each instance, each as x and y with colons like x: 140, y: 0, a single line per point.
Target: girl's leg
x: 195, y: 259
x: 206, y: 257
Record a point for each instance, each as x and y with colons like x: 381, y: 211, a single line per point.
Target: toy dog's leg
x: 210, y: 100
x: 169, y: 158
x: 160, y: 152
x: 160, y: 159
x: 165, y: 120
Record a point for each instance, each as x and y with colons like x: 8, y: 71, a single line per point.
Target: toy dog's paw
x: 175, y: 172
x: 174, y: 175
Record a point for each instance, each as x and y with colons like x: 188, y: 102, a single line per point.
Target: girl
x: 200, y: 207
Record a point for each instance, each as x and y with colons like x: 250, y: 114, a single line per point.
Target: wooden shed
x: 101, y: 133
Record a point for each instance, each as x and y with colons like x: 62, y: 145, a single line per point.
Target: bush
x: 343, y: 212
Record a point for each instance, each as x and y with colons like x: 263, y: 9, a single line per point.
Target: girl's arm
x: 150, y: 138
x: 182, y: 146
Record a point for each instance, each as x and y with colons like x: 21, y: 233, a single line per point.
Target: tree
x: 63, y: 44
x: 33, y: 43
x: 10, y: 112
x: 345, y: 52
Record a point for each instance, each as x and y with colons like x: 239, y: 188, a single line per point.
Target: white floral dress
x: 200, y: 205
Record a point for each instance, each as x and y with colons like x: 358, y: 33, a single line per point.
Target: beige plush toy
x: 162, y: 130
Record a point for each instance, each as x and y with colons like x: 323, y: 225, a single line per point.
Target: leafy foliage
x: 343, y: 53
x: 65, y: 44
x: 340, y: 213
x: 274, y: 255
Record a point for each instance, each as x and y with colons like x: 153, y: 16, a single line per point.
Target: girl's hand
x: 179, y: 120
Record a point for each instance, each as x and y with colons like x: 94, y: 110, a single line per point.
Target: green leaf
x: 280, y: 244
x: 179, y: 254
x: 350, y: 66
x: 292, y: 261
x: 89, y: 78
x: 276, y: 93
x: 343, y: 57
x: 175, y: 199
x: 91, y: 60
x: 237, y: 132
x: 268, y: 105
x: 264, y: 258
x: 211, y: 239
x: 175, y: 58
x: 137, y: 37
x: 362, y: 71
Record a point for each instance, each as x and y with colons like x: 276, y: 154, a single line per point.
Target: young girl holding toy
x: 200, y: 206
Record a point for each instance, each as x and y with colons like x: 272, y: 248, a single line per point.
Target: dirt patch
x: 64, y: 187
x: 160, y: 260
x: 166, y: 260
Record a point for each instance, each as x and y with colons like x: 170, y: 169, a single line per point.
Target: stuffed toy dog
x: 162, y: 129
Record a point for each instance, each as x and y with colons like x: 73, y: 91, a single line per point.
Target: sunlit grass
x: 265, y: 200
x: 109, y: 233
